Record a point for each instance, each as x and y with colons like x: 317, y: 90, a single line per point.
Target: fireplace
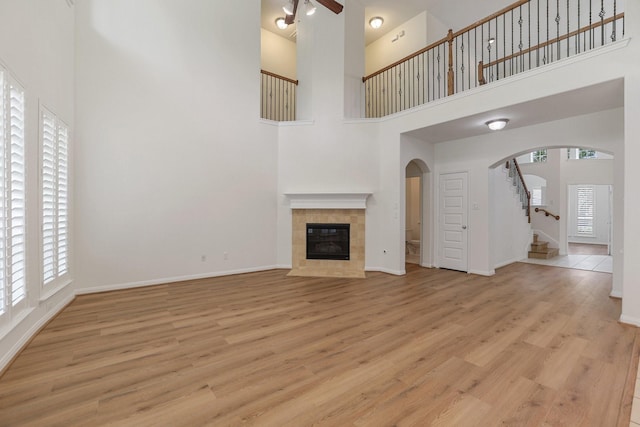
x: 328, y: 241
x: 343, y: 212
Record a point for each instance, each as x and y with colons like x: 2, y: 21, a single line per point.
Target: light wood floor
x: 530, y: 346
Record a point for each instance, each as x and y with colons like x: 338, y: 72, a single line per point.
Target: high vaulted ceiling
x: 455, y: 14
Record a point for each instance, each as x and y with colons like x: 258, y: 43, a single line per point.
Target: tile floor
x: 601, y: 263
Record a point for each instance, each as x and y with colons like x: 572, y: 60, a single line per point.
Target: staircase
x: 540, y: 249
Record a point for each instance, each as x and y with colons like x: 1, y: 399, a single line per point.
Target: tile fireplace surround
x: 341, y: 208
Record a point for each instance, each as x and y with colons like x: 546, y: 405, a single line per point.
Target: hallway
x: 580, y: 257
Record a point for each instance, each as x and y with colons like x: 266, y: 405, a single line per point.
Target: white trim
x: 505, y: 263
x: 615, y: 294
x: 386, y: 270
x: 54, y: 289
x: 601, y: 50
x: 629, y: 320
x: 143, y: 283
x: 482, y: 273
x: 328, y: 200
x: 19, y: 345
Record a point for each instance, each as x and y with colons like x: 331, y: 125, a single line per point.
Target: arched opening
x: 416, y: 230
x: 572, y: 206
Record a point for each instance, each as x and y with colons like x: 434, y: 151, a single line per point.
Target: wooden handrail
x: 490, y: 17
x: 406, y: 58
x: 552, y: 41
x: 547, y: 213
x: 448, y: 38
x: 524, y: 186
x: 277, y: 76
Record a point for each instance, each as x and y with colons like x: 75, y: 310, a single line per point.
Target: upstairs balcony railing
x: 277, y: 97
x: 520, y: 37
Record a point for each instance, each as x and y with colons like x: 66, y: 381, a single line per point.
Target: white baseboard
x: 482, y: 273
x: 19, y: 345
x: 504, y: 263
x: 130, y: 285
x: 386, y: 270
x: 615, y: 294
x: 630, y: 320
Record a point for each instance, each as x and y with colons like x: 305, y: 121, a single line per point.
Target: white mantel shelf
x: 328, y: 200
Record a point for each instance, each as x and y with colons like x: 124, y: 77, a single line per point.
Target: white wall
x: 510, y: 229
x: 385, y: 51
x: 174, y: 168
x: 277, y: 54
x: 37, y: 47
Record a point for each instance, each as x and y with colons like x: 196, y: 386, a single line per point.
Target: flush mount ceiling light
x: 376, y: 22
x: 280, y: 23
x: 497, y: 124
x: 288, y: 7
x: 310, y: 9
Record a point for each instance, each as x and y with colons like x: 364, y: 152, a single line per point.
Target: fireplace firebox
x: 328, y: 241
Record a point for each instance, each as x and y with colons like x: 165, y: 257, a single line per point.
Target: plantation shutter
x: 16, y: 220
x: 585, y: 211
x: 63, y: 198
x: 49, y: 177
x: 3, y: 191
x: 55, y: 197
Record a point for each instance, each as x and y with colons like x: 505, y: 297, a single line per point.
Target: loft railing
x: 520, y: 37
x: 278, y: 97
x: 521, y: 187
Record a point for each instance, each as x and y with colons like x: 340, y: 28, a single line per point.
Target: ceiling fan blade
x: 332, y: 5
x: 290, y: 18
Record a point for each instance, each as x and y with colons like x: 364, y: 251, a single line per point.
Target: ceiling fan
x: 292, y: 6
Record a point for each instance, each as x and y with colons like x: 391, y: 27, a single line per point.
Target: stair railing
x: 547, y: 213
x: 525, y: 35
x: 277, y: 97
x: 521, y: 187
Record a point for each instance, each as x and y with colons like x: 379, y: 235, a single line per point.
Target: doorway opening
x: 413, y: 214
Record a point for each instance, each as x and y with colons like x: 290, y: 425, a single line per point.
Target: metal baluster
x: 546, y: 48
x: 601, y: 15
x: 557, y: 29
x: 591, y: 36
x: 520, y: 45
x: 578, y: 36
x: 615, y: 11
x: 568, y: 30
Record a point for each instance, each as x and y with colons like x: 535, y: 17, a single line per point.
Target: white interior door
x: 452, y: 220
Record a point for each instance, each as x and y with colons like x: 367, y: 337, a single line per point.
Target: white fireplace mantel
x: 328, y: 200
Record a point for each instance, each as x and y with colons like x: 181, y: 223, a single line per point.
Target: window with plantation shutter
x: 12, y: 195
x: 585, y: 224
x: 55, y: 196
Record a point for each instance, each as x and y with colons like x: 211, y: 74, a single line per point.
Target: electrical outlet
x: 203, y: 258
x: 226, y: 255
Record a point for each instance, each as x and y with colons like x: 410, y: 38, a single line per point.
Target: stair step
x: 539, y: 246
x: 547, y: 254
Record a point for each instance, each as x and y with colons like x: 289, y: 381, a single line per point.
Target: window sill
x: 51, y: 290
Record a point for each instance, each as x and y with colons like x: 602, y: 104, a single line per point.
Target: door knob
x: 464, y: 227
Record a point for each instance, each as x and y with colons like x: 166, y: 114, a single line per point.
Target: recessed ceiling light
x: 497, y: 124
x: 376, y: 22
x: 281, y: 23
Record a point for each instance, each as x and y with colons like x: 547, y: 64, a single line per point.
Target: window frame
x: 13, y: 237
x: 58, y: 275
